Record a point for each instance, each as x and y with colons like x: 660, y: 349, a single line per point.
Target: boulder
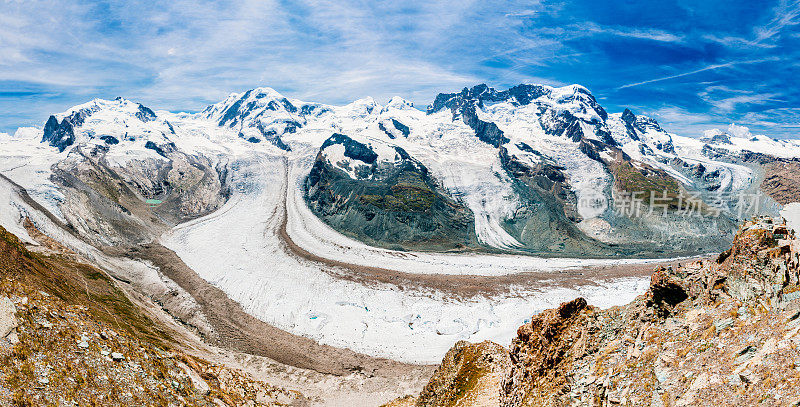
x: 8, y: 321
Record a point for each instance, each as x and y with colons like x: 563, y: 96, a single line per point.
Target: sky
x: 692, y: 65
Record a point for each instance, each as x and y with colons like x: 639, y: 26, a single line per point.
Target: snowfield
x: 27, y: 162
x: 791, y: 212
x: 238, y: 249
x: 313, y: 235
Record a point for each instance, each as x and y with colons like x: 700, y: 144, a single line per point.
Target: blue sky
x: 692, y: 65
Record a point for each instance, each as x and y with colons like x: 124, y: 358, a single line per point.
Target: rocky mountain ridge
x: 517, y: 162
x: 483, y: 176
x: 70, y: 336
x: 722, y: 331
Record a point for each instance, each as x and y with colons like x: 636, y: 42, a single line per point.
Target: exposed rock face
x: 542, y: 349
x: 544, y: 186
x: 781, y: 179
x: 107, y: 203
x: 59, y: 135
x: 62, y: 134
x: 384, y: 200
x: 80, y: 341
x: 392, y: 127
x: 647, y: 131
x: 352, y: 149
x: 468, y: 376
x: 273, y: 137
x: 487, y: 132
x: 714, y: 332
x: 8, y: 322
x: 630, y: 119
x: 145, y: 114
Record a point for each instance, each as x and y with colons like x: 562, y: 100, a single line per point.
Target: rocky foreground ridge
x: 723, y: 331
x: 70, y: 337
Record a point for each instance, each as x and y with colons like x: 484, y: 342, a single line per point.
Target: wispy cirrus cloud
x: 785, y: 14
x: 700, y: 70
x: 725, y: 100
x: 786, y: 118
x: 679, y: 75
x: 659, y: 56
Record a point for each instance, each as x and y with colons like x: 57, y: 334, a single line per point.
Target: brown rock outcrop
x: 709, y: 333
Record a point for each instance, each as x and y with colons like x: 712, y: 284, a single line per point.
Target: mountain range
x: 351, y: 246
x: 531, y: 169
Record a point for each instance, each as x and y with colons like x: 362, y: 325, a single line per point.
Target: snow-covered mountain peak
x: 739, y: 140
x: 257, y: 93
x: 397, y: 102
x: 245, y: 109
x: 105, y: 121
x: 121, y: 107
x: 266, y: 92
x: 520, y: 95
x: 365, y: 104
x: 574, y: 100
x: 570, y: 92
x: 639, y: 135
x: 569, y: 111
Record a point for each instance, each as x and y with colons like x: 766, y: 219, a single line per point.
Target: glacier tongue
x: 255, y: 269
x: 263, y: 270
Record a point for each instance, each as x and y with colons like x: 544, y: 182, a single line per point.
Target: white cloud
x: 700, y: 70
x: 189, y: 54
x: 784, y: 15
x: 681, y: 121
x: 646, y: 34
x: 726, y: 100
x: 786, y: 118
x: 728, y: 105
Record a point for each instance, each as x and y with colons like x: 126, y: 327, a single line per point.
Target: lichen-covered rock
x: 8, y: 321
x: 543, y: 349
x: 470, y: 375
x: 712, y: 333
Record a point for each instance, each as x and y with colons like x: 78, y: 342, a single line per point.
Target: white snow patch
x: 27, y: 162
x: 254, y: 269
x: 791, y: 212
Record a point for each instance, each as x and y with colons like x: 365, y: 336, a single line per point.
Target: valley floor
x: 266, y: 250
x: 276, y: 292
